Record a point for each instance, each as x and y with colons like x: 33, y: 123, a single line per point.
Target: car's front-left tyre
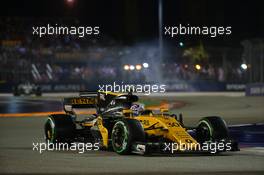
x: 125, y: 133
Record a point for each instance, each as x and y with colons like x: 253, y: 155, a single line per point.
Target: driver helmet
x: 137, y: 108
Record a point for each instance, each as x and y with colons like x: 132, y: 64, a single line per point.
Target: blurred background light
x: 126, y: 67
x: 198, y: 67
x: 244, y: 66
x: 138, y: 67
x: 181, y: 44
x: 145, y: 65
x: 132, y: 67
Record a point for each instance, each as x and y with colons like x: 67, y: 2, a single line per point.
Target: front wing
x: 171, y: 148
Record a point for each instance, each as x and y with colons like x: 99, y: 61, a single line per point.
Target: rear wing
x: 85, y: 100
x: 96, y: 100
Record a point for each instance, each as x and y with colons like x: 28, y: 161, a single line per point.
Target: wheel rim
x: 205, y: 132
x: 49, y: 134
x: 49, y: 130
x: 119, y: 137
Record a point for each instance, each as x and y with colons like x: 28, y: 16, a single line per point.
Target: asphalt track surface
x: 18, y: 133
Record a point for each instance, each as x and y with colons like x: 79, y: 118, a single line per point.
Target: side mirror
x: 68, y: 108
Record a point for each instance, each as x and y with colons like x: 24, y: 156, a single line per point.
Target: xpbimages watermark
x: 80, y: 31
x: 212, y: 147
x: 212, y: 31
x: 76, y: 146
x: 147, y: 89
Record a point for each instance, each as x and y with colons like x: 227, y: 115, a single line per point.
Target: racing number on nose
x: 173, y: 124
x: 145, y: 122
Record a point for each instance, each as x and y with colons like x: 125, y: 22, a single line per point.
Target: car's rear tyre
x: 212, y: 129
x: 60, y: 128
x: 125, y: 133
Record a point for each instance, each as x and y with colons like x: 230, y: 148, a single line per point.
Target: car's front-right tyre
x: 212, y: 128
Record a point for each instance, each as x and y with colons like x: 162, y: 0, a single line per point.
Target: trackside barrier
x: 256, y: 89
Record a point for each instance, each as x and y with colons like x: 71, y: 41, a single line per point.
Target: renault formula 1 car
x: 116, y: 126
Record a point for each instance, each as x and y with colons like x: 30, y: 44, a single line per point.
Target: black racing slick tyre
x: 212, y: 129
x: 125, y: 133
x: 60, y: 128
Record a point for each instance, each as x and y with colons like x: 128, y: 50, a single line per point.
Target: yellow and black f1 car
x: 115, y: 125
